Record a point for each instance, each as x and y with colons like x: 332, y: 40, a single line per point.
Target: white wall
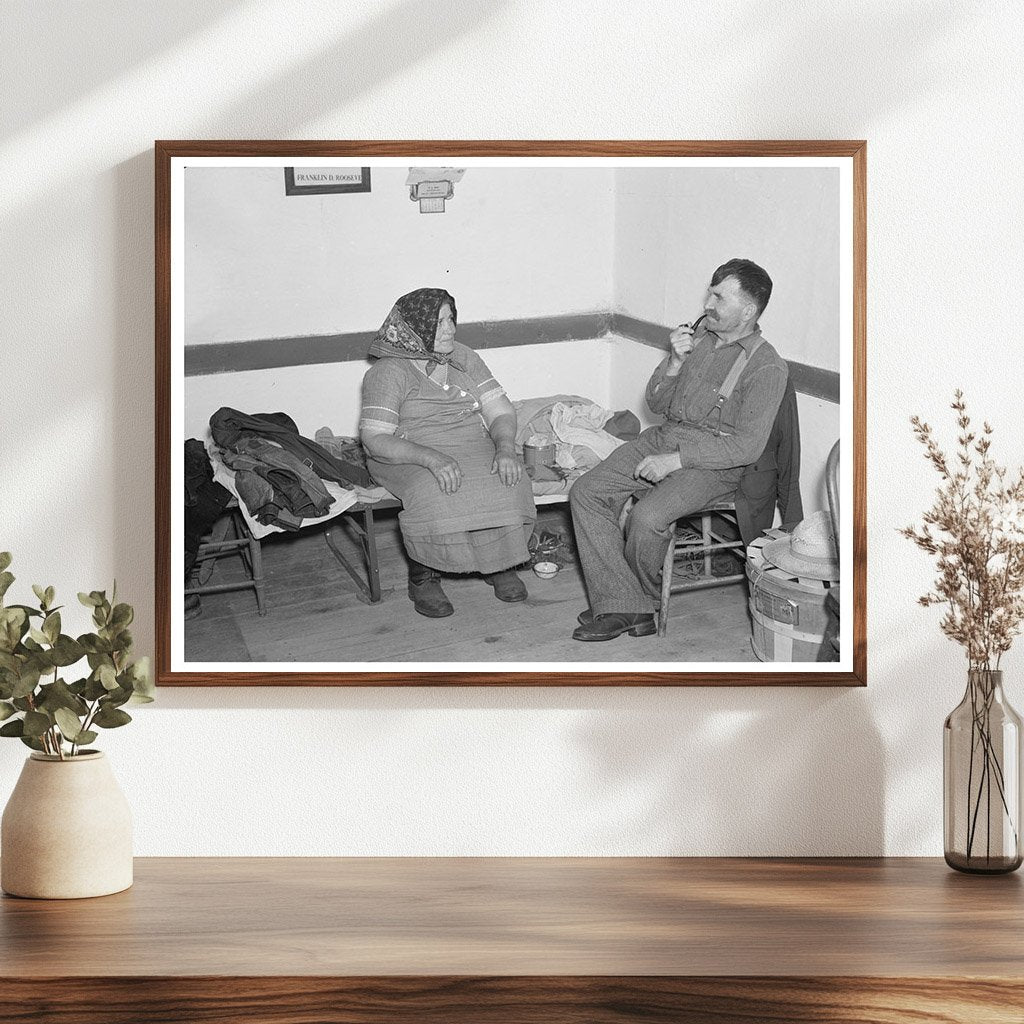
x: 328, y: 394
x: 261, y: 264
x: 674, y: 226
x: 87, y: 87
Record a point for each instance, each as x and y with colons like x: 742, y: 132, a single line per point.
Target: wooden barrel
x: 788, y: 612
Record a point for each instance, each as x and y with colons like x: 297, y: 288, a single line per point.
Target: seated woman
x: 440, y: 435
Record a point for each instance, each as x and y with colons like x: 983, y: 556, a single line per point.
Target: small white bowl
x: 545, y: 570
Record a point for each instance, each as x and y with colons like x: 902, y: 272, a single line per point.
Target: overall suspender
x: 729, y: 385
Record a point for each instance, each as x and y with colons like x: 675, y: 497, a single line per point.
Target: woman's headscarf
x: 411, y: 326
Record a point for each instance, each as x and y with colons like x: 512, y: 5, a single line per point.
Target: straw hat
x: 810, y: 550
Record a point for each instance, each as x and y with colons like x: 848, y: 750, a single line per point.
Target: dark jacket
x: 205, y: 499
x: 774, y: 479
x: 228, y: 426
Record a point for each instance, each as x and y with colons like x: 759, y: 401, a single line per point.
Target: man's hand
x: 681, y: 341
x: 508, y: 466
x: 654, y: 468
x: 447, y: 472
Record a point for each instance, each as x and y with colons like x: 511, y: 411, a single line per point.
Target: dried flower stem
x: 975, y: 530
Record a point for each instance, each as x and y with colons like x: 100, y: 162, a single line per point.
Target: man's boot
x: 425, y: 590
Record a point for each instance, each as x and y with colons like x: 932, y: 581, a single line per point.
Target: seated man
x: 719, y: 390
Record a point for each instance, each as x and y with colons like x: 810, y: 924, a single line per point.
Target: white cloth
x: 581, y: 425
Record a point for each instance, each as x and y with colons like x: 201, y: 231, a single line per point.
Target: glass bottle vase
x: 981, y: 774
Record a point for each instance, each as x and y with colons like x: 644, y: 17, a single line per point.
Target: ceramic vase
x: 66, y: 830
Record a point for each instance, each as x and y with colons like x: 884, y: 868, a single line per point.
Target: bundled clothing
x: 205, y: 500
x: 278, y: 473
x: 438, y: 400
x: 583, y: 432
x: 228, y: 426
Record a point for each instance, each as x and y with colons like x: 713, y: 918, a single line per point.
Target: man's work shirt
x: 689, y: 402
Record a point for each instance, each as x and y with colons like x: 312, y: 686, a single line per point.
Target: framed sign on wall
x: 599, y: 420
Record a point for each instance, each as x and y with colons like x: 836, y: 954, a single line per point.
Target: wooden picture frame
x: 181, y: 361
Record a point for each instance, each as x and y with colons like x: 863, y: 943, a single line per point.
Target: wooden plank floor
x: 316, y: 614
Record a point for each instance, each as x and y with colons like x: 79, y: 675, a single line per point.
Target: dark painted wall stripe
x: 268, y: 353
x: 808, y: 380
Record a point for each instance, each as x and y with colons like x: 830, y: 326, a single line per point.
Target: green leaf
x: 27, y: 681
x: 6, y: 579
x: 15, y: 728
x: 38, y: 635
x: 31, y: 741
x: 10, y: 663
x: 122, y: 616
x: 36, y: 723
x: 51, y: 626
x: 40, y: 593
x: 50, y: 595
x: 67, y: 651
x: 6, y: 710
x: 89, y: 600
x: 59, y: 695
x: 115, y: 698
x: 69, y: 724
x: 5, y: 559
x: 28, y: 610
x: 86, y: 736
x: 94, y: 689
x: 13, y: 626
x: 142, y: 681
x: 94, y: 644
x: 111, y: 718
x: 106, y: 675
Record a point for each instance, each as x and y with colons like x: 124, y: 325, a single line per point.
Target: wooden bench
x: 366, y: 537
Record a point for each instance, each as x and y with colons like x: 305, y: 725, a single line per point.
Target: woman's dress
x: 482, y: 527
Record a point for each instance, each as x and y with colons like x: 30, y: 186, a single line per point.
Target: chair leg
x: 256, y: 559
x: 666, y: 583
x: 705, y: 533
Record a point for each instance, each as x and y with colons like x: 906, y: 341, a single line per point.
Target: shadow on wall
x: 383, y: 47
x: 50, y: 45
x: 678, y: 778
x: 814, y: 58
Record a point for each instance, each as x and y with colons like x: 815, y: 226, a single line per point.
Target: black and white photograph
x: 448, y: 413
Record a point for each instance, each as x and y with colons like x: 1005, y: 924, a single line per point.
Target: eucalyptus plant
x: 46, y: 712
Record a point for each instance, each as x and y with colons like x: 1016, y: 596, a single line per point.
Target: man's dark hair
x: 753, y: 279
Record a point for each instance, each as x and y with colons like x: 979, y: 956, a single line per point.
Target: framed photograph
x: 323, y: 181
x: 526, y: 413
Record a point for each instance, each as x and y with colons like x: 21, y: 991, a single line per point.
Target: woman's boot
x: 425, y: 590
x: 507, y: 585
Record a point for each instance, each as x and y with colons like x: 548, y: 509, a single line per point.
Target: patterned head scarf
x: 410, y: 327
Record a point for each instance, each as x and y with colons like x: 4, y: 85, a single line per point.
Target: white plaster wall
x: 261, y: 264
x: 328, y: 394
x: 674, y: 226
x: 934, y: 85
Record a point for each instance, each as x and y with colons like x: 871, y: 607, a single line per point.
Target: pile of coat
x: 279, y: 474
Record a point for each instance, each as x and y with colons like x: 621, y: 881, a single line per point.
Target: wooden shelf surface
x: 363, y: 939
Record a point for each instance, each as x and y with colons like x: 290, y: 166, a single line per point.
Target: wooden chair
x: 240, y: 542
x: 695, y: 541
